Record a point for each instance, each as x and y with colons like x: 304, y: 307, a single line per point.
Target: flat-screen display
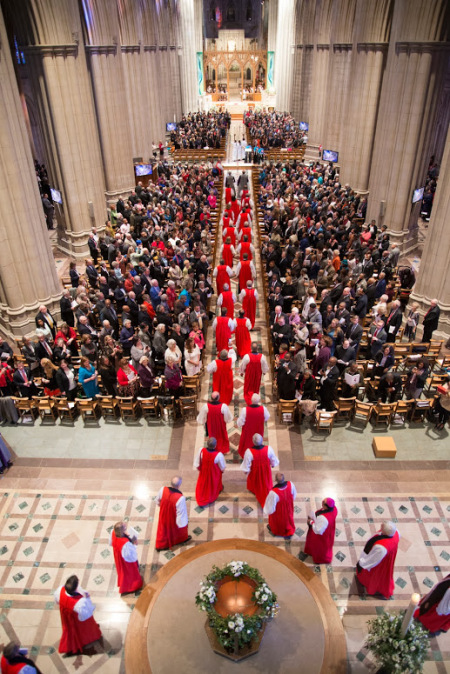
x: 171, y: 126
x: 418, y: 195
x: 304, y: 126
x: 330, y: 155
x: 56, y: 195
x: 143, y: 169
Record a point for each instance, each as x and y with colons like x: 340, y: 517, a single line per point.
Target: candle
x: 407, y: 620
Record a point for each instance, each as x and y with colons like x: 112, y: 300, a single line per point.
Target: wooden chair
x: 435, y: 347
x: 191, y: 385
x: 167, y: 406
x: 344, y: 407
x: 26, y: 409
x: 89, y: 410
x: 402, y: 349
x: 403, y: 411
x: 324, y: 420
x: 46, y: 409
x: 188, y: 407
x: 362, y: 412
x: 67, y: 411
x: 286, y: 410
x: 444, y: 362
x: 149, y: 407
x: 129, y: 409
x: 109, y: 407
x: 383, y: 412
x: 421, y: 410
x: 433, y: 382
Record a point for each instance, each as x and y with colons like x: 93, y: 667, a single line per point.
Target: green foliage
x: 393, y: 651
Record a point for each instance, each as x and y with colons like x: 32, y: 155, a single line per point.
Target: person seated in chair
x: 390, y: 388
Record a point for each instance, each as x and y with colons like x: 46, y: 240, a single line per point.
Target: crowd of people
x: 271, y: 130
x: 199, y: 130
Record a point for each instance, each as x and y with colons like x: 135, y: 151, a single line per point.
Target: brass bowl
x: 234, y: 595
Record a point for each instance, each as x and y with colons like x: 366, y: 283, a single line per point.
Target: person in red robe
x: 229, y: 232
x: 251, y: 420
x: 246, y: 272
x: 215, y: 416
x: 223, y: 326
x: 227, y: 218
x: 78, y: 625
x: 173, y: 518
x: 257, y: 464
x: 211, y: 464
x: 226, y: 300
x: 235, y: 209
x: 227, y: 252
x: 244, y: 219
x: 243, y: 338
x: 375, y: 569
x: 245, y: 248
x: 123, y: 539
x: 248, y: 298
x: 321, y: 532
x: 279, y: 506
x: 222, y: 371
x: 222, y: 273
x: 14, y: 660
x: 434, y: 608
x: 252, y: 367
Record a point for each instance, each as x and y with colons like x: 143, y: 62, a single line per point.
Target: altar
x: 167, y: 632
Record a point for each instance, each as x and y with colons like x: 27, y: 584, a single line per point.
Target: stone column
x: 27, y: 270
x: 49, y: 33
x: 187, y: 56
x: 284, y: 54
x: 409, y: 99
x: 272, y: 25
x: 433, y: 281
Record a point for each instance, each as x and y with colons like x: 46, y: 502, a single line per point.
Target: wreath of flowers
x: 238, y: 629
x: 392, y: 650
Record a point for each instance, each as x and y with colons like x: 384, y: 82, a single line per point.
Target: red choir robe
x: 320, y: 546
x: 209, y: 483
x: 168, y: 533
x: 235, y: 209
x: 222, y: 277
x: 17, y: 665
x: 245, y: 249
x: 243, y: 222
x: 128, y: 577
x: 246, y: 231
x: 223, y: 333
x: 380, y: 578
x: 245, y: 274
x: 281, y: 522
x: 259, y: 479
x: 217, y: 427
x: 228, y: 194
x: 252, y: 377
x: 249, y: 300
x: 230, y: 232
x: 223, y: 380
x: 254, y: 423
x: 75, y: 633
x: 227, y: 254
x: 426, y: 613
x: 228, y: 302
x: 243, y: 338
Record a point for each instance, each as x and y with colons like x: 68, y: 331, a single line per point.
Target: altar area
x: 167, y: 631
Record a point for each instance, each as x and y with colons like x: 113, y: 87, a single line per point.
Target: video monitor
x: 56, y: 196
x: 418, y: 195
x: 171, y: 126
x: 330, y: 155
x: 304, y: 126
x: 143, y: 169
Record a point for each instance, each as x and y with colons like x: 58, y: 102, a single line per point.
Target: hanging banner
x: 270, y: 69
x: 201, y: 87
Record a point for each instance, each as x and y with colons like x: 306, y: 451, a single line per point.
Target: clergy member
x: 216, y: 415
x: 224, y: 327
x: 210, y: 463
x: 222, y: 273
x: 257, y: 464
x: 173, y: 517
x: 251, y: 420
x: 279, y: 506
x: 227, y: 300
x: 222, y: 369
x: 123, y: 539
x: 246, y: 273
x: 78, y: 625
x: 14, y: 660
x: 321, y: 531
x: 252, y: 367
x: 243, y: 338
x: 249, y: 297
x: 375, y: 569
x: 434, y: 608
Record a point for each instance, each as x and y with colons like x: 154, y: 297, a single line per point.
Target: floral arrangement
x: 236, y: 630
x: 397, y: 653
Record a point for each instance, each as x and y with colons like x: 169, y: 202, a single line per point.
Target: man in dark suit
x: 275, y: 316
x: 393, y: 321
x: 108, y: 313
x: 23, y: 379
x: 92, y: 274
x: 45, y: 315
x: 134, y: 308
x: 329, y: 379
x: 360, y: 308
x: 43, y: 349
x: 65, y: 304
x: 367, y: 266
x: 93, y: 248
x: 390, y: 387
x: 430, y: 321
x: 84, y: 328
x: 354, y: 332
x: 371, y: 293
x: 377, y: 337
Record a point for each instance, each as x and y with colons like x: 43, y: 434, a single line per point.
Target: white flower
x: 264, y: 597
x: 249, y: 631
x: 203, y: 608
x: 231, y: 625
